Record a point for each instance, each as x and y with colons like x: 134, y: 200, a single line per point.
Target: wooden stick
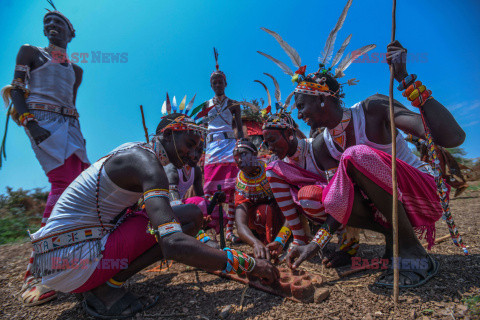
x: 438, y: 240
x: 144, y: 125
x: 394, y: 175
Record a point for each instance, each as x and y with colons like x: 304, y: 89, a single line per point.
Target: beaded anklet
x: 114, y: 283
x: 351, y: 246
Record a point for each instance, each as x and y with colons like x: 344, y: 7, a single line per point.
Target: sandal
x: 95, y: 307
x: 410, y: 274
x: 34, y: 293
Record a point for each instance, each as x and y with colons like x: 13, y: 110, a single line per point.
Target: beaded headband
x: 318, y: 77
x: 184, y: 123
x: 280, y: 120
x: 246, y: 144
x: 58, y: 13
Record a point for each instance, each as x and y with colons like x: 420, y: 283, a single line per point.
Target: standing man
x: 220, y: 167
x: 43, y: 93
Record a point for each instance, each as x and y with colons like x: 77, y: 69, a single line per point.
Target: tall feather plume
x: 182, y: 104
x: 339, y: 54
x: 347, y: 61
x: 174, y: 104
x: 287, y: 101
x: 266, y: 89
x: 164, y: 107
x: 328, y: 49
x: 215, y: 54
x: 53, y: 6
x: 169, y: 105
x: 278, y: 94
x: 279, y: 63
x: 291, y: 52
x: 190, y: 104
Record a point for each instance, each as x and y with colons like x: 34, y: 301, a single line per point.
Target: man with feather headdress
x: 221, y: 114
x: 356, y: 157
x: 43, y: 95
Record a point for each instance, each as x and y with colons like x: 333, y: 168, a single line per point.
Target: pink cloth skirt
x: 416, y: 190
x: 124, y: 245
x: 224, y: 174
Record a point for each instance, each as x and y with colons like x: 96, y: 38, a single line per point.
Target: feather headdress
x: 316, y: 83
x: 183, y: 122
x: 217, y: 71
x: 281, y: 119
x: 61, y: 15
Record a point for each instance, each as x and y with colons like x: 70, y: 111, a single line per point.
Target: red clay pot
x: 303, y: 290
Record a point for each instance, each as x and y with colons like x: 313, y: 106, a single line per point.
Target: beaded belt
x: 67, y: 238
x: 63, y: 110
x: 220, y: 136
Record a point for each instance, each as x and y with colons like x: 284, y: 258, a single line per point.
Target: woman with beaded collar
x: 257, y: 215
x: 100, y: 239
x: 357, y: 145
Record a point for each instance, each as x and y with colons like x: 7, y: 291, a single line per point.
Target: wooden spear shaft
x: 394, y: 175
x: 144, y: 125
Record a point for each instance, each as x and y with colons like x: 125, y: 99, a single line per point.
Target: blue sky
x: 169, y: 48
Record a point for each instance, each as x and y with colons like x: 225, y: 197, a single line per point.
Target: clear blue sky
x: 169, y: 47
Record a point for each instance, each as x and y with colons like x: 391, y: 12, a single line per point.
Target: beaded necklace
x: 254, y: 188
x: 338, y: 133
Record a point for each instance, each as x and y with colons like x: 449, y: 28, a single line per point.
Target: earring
x: 322, y: 104
x: 291, y: 137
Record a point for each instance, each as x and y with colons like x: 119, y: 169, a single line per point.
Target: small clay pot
x: 303, y: 290
x: 285, y: 285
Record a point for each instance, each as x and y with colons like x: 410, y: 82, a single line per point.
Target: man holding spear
x: 356, y: 148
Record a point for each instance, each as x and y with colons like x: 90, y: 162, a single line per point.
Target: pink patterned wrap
x: 416, y: 190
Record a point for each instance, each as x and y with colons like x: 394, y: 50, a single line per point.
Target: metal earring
x: 291, y: 137
x: 322, y: 104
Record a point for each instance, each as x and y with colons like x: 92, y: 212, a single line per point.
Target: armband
x: 238, y: 262
x: 165, y: 229
x: 175, y: 203
x: 26, y: 118
x: 322, y: 237
x: 283, y: 235
x: 155, y: 193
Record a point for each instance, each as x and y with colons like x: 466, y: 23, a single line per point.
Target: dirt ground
x: 188, y: 293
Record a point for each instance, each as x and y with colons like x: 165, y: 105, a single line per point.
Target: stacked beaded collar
x: 254, y: 188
